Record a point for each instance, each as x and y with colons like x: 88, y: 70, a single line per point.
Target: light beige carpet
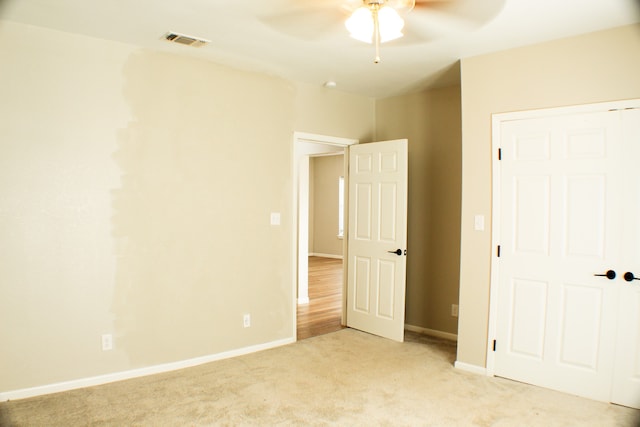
x: 344, y: 378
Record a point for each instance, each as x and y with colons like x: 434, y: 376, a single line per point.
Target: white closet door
x: 561, y: 223
x: 626, y: 379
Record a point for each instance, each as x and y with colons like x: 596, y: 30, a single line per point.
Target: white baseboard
x: 480, y: 370
x: 304, y: 300
x: 431, y: 332
x: 325, y: 255
x: 135, y: 373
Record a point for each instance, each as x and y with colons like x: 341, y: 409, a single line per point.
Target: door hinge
x: 494, y: 345
x: 498, y: 251
x: 499, y: 153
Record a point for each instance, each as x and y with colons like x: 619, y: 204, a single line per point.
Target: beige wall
x: 326, y: 172
x: 596, y: 67
x: 135, y: 190
x: 431, y: 122
x: 330, y: 112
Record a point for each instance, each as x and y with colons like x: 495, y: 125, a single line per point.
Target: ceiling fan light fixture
x: 391, y: 24
x: 361, y: 23
x: 375, y: 22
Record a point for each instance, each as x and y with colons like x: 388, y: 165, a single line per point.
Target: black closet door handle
x: 397, y: 252
x: 610, y: 274
x: 628, y: 276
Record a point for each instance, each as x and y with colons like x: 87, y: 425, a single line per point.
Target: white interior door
x: 626, y: 378
x: 377, y: 238
x: 563, y: 225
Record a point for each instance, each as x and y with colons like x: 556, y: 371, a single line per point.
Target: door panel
x: 585, y: 227
x: 362, y: 284
x: 363, y: 211
x: 528, y: 313
x: 531, y: 215
x: 386, y: 288
x: 388, y: 211
x: 581, y: 308
x: 378, y: 225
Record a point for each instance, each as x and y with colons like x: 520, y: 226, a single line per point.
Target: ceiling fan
x: 380, y: 21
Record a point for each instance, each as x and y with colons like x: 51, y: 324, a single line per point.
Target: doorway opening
x: 323, y: 311
x: 320, y: 289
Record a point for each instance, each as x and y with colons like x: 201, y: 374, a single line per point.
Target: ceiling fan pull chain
x: 376, y: 30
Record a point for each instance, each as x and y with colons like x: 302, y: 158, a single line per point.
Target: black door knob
x: 397, y: 252
x: 610, y: 274
x: 628, y: 276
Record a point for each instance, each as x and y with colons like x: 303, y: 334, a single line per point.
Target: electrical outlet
x: 107, y: 342
x: 246, y: 320
x: 454, y: 310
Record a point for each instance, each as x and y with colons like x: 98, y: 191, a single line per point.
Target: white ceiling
x: 305, y: 40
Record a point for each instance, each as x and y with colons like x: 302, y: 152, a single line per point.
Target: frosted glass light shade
x: 390, y: 24
x: 361, y: 24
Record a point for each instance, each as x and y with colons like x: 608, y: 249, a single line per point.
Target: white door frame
x: 497, y: 120
x: 299, y: 139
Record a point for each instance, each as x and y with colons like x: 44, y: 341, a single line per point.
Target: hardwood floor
x: 324, y: 311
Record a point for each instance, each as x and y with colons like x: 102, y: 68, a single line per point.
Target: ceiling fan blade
x: 309, y: 23
x: 402, y: 6
x: 466, y: 14
x: 351, y: 5
x: 416, y: 31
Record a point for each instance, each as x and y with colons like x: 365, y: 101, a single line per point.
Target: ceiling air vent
x: 185, y: 40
